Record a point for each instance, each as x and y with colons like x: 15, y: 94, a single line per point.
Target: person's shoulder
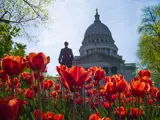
x: 62, y: 49
x: 70, y: 49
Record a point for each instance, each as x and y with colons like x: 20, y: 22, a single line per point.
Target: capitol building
x: 99, y: 49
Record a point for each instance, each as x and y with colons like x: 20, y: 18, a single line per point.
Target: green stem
x: 3, y: 87
x: 138, y: 108
x: 39, y: 96
x: 84, y: 96
x: 110, y: 109
x: 12, y: 82
x: 98, y: 98
x: 49, y: 99
x: 146, y: 106
x: 119, y: 102
x: 74, y: 105
x: 32, y: 89
x: 32, y: 96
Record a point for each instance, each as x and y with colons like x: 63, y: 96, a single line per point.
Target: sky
x: 71, y: 18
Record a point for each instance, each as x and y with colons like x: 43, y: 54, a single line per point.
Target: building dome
x: 98, y: 38
x: 97, y: 33
x: 97, y: 28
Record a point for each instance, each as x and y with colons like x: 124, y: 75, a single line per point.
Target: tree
x: 149, y: 44
x: 24, y: 12
x: 18, y: 50
x: 7, y: 46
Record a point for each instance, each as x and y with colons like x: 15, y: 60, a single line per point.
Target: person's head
x: 66, y: 44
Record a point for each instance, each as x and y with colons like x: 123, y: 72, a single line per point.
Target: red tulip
x: 79, y: 101
x: 35, y: 88
x: 29, y: 93
x: 59, y: 117
x: 134, y: 112
x: 56, y: 86
x: 75, y: 76
x: 48, y: 84
x: 37, y: 114
x: 13, y: 65
x: 16, y: 82
x: 27, y: 77
x: 158, y: 95
x: 143, y: 73
x: 37, y: 62
x: 123, y: 112
x: 10, y: 108
x: 106, y: 105
x: 3, y: 76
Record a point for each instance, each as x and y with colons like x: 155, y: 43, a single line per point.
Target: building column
x: 109, y: 71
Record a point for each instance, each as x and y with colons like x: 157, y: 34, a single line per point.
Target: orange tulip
x: 110, y: 85
x: 10, y: 108
x: 121, y: 84
x: 37, y: 61
x: 75, y: 76
x: 95, y: 116
x: 98, y: 73
x: 13, y: 65
x: 139, y: 88
x: 63, y: 67
x: 48, y: 116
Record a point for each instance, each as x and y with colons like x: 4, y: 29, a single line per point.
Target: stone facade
x: 98, y: 49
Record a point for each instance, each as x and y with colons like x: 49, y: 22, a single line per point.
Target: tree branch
x: 3, y: 14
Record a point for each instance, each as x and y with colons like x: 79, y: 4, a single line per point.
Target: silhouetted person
x: 66, y: 56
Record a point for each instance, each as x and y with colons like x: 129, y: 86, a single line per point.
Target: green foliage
x: 18, y: 50
x: 6, y: 43
x: 149, y: 44
x: 24, y: 11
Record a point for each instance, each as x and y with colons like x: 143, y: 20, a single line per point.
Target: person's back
x: 66, y: 56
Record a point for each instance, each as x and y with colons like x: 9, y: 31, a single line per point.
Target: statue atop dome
x: 96, y: 11
x: 97, y: 16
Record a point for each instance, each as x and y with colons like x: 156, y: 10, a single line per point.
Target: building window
x: 108, y: 51
x: 102, y: 40
x: 114, y: 70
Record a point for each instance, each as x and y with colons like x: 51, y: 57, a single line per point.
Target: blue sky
x: 71, y: 18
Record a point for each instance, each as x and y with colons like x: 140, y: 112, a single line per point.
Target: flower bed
x: 77, y: 94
